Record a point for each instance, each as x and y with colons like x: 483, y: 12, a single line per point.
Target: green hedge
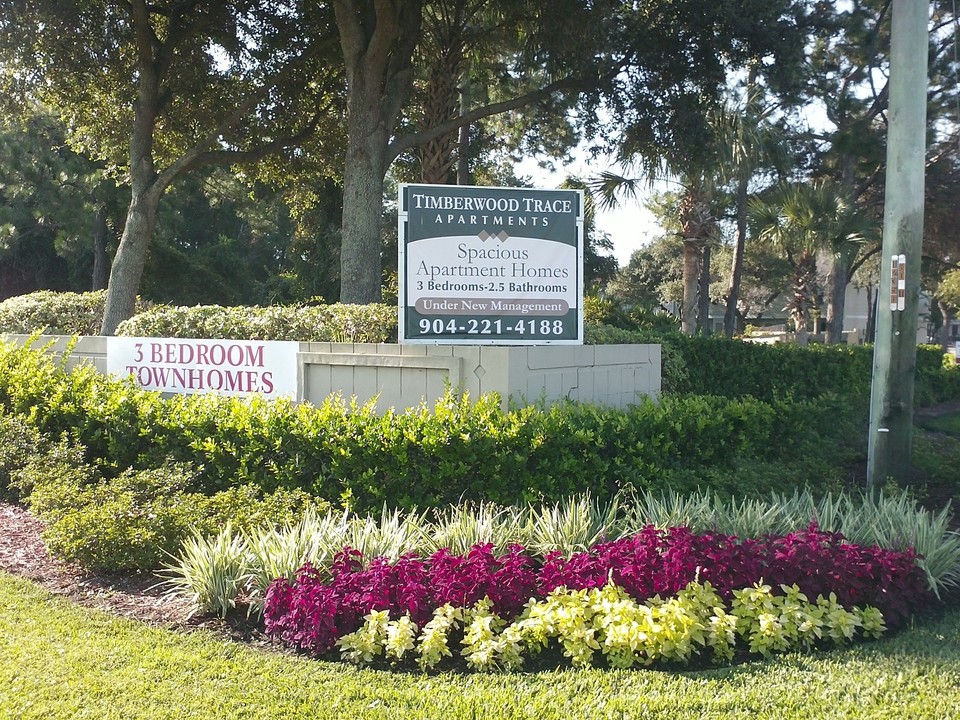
x: 733, y: 368
x: 139, y: 519
x: 314, y: 323
x: 690, y: 365
x: 55, y: 313
x: 427, y: 456
x: 66, y: 313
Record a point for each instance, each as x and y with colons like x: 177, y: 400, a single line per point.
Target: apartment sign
x: 223, y: 367
x: 485, y: 265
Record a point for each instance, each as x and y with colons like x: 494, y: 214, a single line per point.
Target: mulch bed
x: 133, y: 595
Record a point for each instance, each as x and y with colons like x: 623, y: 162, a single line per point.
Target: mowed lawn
x: 59, y: 660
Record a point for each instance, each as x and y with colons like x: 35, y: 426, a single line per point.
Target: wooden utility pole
x: 895, y: 348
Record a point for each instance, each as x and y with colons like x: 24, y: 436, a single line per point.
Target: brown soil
x: 134, y: 595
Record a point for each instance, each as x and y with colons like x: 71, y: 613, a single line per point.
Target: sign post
x: 485, y: 265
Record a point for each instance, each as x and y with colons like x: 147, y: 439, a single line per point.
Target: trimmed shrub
x: 307, y: 323
x: 19, y: 442
x: 138, y: 519
x: 458, y: 449
x: 56, y: 313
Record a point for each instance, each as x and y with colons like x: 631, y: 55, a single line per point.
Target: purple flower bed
x: 312, y: 613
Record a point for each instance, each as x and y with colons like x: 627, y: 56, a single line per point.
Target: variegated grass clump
x: 212, y: 572
x: 279, y: 552
x: 894, y: 521
x: 461, y: 527
x: 574, y: 525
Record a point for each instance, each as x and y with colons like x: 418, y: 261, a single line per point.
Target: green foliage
x: 278, y: 552
x: 893, y: 521
x: 573, y: 525
x: 246, y: 507
x: 19, y: 441
x: 949, y: 289
x: 55, y: 313
x: 130, y: 522
x: 458, y: 449
x: 673, y: 366
x: 936, y: 459
x: 139, y: 518
x: 597, y: 311
x: 938, y: 376
x: 733, y: 368
x: 53, y: 483
x: 314, y: 323
x: 890, y: 521
x: 460, y: 527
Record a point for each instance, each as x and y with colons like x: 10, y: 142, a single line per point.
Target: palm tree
x: 698, y: 226
x: 801, y: 221
x: 696, y: 219
x: 742, y: 141
x: 746, y: 141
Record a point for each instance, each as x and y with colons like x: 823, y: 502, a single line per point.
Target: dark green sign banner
x: 490, y: 265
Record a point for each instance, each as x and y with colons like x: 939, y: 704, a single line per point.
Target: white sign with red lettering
x: 225, y: 367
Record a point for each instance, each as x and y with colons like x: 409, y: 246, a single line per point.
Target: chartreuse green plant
x: 606, y: 622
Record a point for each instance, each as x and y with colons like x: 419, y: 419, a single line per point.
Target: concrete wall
x: 403, y: 376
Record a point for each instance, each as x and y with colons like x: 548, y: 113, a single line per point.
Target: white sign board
x: 224, y: 367
x: 490, y: 265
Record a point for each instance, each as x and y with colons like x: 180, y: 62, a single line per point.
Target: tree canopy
x: 289, y: 116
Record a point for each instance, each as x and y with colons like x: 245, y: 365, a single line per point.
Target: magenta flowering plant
x: 823, y: 562
x: 662, y: 562
x: 313, y: 612
x: 509, y: 580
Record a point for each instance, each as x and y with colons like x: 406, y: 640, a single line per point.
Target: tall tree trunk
x: 703, y: 301
x: 463, y: 141
x: 870, y: 331
x: 463, y: 159
x: 360, y: 262
x: 131, y: 257
x: 736, y: 267
x: 800, y: 326
x: 836, y: 301
x: 145, y: 191
x: 101, y: 261
x: 947, y: 316
x: 378, y: 39
x: 437, y: 157
x: 803, y: 292
x: 691, y: 282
